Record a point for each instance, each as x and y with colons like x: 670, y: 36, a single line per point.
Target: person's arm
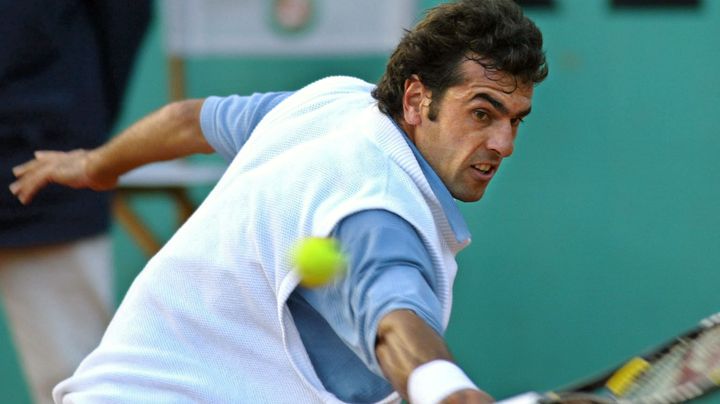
x: 214, y: 124
x: 384, y: 308
x: 404, y: 343
x: 168, y: 133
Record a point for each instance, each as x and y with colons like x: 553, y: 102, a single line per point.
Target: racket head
x: 680, y: 370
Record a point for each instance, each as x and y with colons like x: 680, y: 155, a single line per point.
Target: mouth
x: 484, y: 171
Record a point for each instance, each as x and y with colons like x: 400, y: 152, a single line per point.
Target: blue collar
x: 449, y: 206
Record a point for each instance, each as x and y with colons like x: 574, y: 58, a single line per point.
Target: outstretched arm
x: 404, y: 343
x: 168, y: 133
x: 385, y: 310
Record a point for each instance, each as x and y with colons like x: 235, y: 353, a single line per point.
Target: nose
x: 502, y: 139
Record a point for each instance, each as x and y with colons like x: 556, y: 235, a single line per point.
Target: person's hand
x: 468, y: 396
x: 71, y: 169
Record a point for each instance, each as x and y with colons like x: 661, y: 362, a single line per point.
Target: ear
x: 415, y: 98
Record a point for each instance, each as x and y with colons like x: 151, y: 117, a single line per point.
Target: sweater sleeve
x: 228, y: 122
x: 389, y: 269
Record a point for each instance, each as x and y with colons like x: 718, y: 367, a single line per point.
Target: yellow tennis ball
x: 317, y: 261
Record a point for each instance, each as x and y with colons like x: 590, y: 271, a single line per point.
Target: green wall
x: 599, y: 237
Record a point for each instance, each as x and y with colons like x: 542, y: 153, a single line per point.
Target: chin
x: 469, y: 196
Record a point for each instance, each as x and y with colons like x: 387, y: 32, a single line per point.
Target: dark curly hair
x: 494, y: 33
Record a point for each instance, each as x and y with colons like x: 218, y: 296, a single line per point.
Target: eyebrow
x: 499, y: 105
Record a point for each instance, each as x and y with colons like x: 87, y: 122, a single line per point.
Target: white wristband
x: 432, y: 382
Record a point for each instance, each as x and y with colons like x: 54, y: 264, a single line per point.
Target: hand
x: 468, y: 396
x: 70, y: 169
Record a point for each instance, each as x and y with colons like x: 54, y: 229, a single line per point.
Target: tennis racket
x: 683, y: 369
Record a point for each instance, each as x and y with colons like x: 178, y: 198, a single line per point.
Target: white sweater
x: 206, y: 320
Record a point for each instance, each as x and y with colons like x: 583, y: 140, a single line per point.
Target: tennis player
x: 219, y: 316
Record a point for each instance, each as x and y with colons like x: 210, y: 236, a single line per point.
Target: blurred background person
x: 64, y: 66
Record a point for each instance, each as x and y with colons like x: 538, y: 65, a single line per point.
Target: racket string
x: 680, y: 372
x: 686, y: 371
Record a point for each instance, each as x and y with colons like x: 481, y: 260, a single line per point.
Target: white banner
x: 285, y: 27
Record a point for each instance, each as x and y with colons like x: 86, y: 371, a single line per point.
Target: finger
x: 27, y: 193
x: 42, y: 157
x: 45, y: 154
x: 20, y: 192
x: 23, y: 168
x: 40, y: 154
x: 14, y: 188
x: 30, y: 184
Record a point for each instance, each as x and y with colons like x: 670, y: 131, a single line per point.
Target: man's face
x: 474, y: 128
